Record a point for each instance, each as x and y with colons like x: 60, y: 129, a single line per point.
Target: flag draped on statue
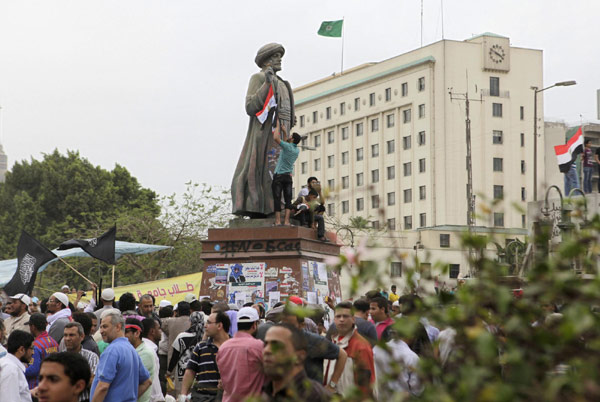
x: 102, y: 248
x: 31, y: 255
x: 270, y: 103
x: 567, y: 154
x: 331, y: 28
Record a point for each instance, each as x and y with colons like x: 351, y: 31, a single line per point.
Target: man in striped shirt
x: 203, y: 363
x: 73, y: 337
x: 43, y: 345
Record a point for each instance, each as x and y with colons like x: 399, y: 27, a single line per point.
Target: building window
x: 523, y: 221
x: 407, y: 169
x: 330, y: 137
x: 345, y: 182
x: 375, y: 201
x: 391, y: 146
x: 522, y: 139
x: 421, y: 138
x: 374, y: 150
x: 356, y: 104
x: 345, y: 207
x: 494, y: 86
x: 360, y: 179
x: 523, y: 194
x: 374, y: 125
x: 421, y: 111
x: 360, y: 204
x: 444, y: 240
x: 522, y: 112
x: 391, y: 199
x: 317, y: 165
x: 406, y: 116
x: 391, y: 224
x: 497, y: 137
x: 304, y: 141
x: 328, y: 112
x: 406, y: 143
x: 331, y: 183
x: 422, y: 165
x: 422, y: 220
x: 344, y: 133
x: 375, y: 225
x: 302, y: 121
x: 359, y: 129
x: 359, y: 154
x: 389, y: 120
x: 454, y: 270
x: 375, y: 176
x: 331, y: 209
x: 315, y: 117
x: 304, y: 167
x: 407, y: 222
x: 523, y: 167
x: 345, y: 158
x: 421, y: 84
x: 499, y: 219
x: 395, y: 269
x: 404, y: 88
x: 497, y: 109
x: 317, y: 141
x: 407, y: 196
x: 422, y: 192
x: 497, y: 164
x: 372, y: 99
x: 391, y: 172
x: 498, y: 192
x: 342, y: 108
x: 388, y: 94
x: 330, y: 161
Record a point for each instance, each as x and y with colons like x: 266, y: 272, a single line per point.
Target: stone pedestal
x: 291, y: 255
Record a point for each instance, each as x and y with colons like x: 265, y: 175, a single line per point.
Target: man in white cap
x: 60, y: 315
x: 107, y: 298
x: 240, y: 359
x: 17, y: 306
x: 65, y: 289
x: 164, y: 303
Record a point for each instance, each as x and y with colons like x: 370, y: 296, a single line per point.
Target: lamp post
x: 535, y: 92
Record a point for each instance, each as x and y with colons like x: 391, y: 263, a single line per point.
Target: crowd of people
x: 204, y: 350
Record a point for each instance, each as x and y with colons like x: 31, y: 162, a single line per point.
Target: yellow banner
x: 171, y: 289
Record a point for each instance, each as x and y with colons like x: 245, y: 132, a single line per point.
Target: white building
x: 390, y: 143
x: 3, y: 164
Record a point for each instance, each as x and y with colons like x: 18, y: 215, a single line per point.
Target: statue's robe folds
x: 251, y: 193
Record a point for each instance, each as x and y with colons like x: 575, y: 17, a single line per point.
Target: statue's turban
x: 267, y: 51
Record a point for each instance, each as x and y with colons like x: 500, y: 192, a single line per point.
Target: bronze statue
x: 251, y: 193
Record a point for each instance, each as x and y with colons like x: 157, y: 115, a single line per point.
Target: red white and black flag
x: 567, y: 154
x: 102, y: 248
x: 270, y: 103
x: 31, y: 255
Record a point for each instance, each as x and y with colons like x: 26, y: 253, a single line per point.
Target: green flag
x: 331, y: 28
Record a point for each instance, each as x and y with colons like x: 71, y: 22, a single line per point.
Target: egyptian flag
x: 102, y: 248
x: 270, y: 103
x: 31, y: 255
x: 567, y: 154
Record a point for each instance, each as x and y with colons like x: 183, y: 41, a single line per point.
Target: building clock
x: 496, y: 53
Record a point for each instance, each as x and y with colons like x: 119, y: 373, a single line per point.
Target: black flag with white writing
x: 31, y: 255
x: 102, y: 248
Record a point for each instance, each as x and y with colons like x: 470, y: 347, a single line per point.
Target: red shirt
x: 382, y: 325
x: 240, y: 364
x: 359, y: 349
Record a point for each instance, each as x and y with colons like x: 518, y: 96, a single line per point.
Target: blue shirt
x: 287, y: 157
x: 121, y: 366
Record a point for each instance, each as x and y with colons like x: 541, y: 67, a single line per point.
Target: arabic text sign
x: 171, y: 289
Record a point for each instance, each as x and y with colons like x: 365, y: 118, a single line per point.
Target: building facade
x: 3, y: 164
x: 389, y: 138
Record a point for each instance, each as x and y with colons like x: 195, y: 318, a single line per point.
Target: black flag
x: 102, y: 248
x: 31, y: 255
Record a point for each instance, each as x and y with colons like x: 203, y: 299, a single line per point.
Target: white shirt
x: 12, y: 380
x: 156, y: 394
x: 401, y: 354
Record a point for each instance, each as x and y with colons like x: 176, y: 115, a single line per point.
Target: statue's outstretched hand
x: 270, y: 74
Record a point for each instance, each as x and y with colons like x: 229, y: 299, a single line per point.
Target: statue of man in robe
x: 251, y: 193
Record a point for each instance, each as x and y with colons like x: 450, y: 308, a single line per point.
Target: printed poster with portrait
x: 318, y: 272
x: 247, y: 279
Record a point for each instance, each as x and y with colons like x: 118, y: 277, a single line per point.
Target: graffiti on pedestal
x: 230, y: 248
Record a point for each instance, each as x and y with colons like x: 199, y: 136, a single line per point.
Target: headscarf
x: 197, y: 324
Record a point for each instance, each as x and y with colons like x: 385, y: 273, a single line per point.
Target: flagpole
x: 342, y: 68
x: 76, y: 271
x: 113, y: 276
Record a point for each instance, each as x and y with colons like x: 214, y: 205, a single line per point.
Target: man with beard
x: 60, y: 315
x: 17, y: 307
x: 13, y: 383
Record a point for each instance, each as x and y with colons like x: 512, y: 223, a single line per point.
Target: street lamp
x: 535, y: 92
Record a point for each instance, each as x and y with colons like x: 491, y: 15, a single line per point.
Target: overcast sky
x: 158, y: 86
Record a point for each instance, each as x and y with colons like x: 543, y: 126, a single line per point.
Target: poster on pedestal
x: 274, y: 298
x: 246, y: 278
x: 319, y: 275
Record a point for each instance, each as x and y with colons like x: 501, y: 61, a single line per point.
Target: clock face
x: 497, y: 54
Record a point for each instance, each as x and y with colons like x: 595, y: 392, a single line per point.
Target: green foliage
x: 499, y: 353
